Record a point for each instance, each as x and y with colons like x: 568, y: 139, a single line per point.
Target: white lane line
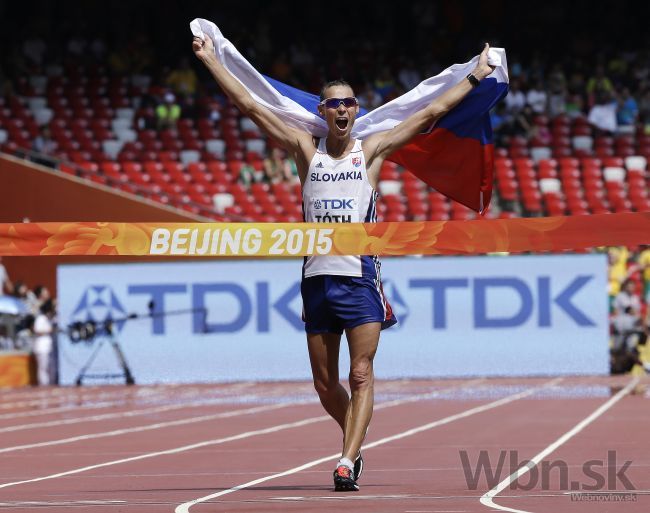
x: 190, y: 420
x: 185, y: 507
x: 149, y: 427
x: 120, y: 414
x: 94, y: 406
x: 77, y: 397
x: 488, y: 498
x: 217, y: 441
x: 146, y: 395
x: 29, y: 504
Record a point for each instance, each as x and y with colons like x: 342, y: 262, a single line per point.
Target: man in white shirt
x: 43, y: 342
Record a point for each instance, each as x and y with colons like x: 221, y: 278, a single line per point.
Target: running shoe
x: 358, y: 467
x: 344, y: 480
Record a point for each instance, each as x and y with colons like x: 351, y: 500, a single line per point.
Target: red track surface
x: 153, y: 449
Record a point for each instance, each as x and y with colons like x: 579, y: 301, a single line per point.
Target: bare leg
x: 324, y: 358
x: 362, y: 341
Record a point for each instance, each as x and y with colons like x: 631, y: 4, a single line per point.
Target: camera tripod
x: 126, y: 372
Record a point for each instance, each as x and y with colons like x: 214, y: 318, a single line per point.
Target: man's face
x: 339, y: 120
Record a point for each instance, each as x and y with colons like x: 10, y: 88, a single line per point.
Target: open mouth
x: 342, y: 123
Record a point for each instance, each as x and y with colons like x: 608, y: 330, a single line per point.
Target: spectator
x: 515, y: 100
x: 628, y: 110
x: 43, y: 342
x: 628, y: 298
x: 276, y: 167
x: 627, y: 327
x: 644, y: 265
x: 35, y: 300
x: 183, y: 80
x: 248, y: 174
x: 168, y: 113
x: 408, y: 76
x: 5, y: 281
x: 370, y: 99
x: 34, y: 50
x: 557, y: 91
x: 22, y: 292
x: 603, y: 114
x: 599, y: 86
x: 537, y: 98
x: 43, y: 142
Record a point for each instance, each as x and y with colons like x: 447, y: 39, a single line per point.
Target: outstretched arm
x: 381, y: 145
x: 290, y: 138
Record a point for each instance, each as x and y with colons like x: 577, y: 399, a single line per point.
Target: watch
x: 473, y: 80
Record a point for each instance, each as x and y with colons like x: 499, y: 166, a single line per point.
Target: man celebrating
x: 339, y: 177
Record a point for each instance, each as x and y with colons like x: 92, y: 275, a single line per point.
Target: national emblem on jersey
x: 356, y: 161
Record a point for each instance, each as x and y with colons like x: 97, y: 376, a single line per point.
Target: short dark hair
x: 332, y: 83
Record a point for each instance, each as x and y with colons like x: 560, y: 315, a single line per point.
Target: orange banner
x: 299, y: 239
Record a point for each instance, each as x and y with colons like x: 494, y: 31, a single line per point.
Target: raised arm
x: 291, y: 139
x: 381, y: 145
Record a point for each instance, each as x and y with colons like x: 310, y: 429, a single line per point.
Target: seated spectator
x: 536, y: 98
x: 408, y: 76
x: 276, y: 168
x: 627, y: 328
x: 183, y: 80
x: 644, y: 265
x: 43, y: 142
x: 574, y: 105
x: 603, y: 114
x: 248, y: 174
x: 516, y: 99
x: 628, y: 298
x: 370, y: 99
x: 598, y: 86
x: 385, y: 83
x: 168, y: 113
x: 628, y: 111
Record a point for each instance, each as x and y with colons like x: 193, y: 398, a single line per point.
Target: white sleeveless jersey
x: 338, y: 191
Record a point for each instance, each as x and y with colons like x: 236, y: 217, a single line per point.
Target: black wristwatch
x: 473, y: 80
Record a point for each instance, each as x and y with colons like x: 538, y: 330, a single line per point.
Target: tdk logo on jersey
x: 99, y: 304
x: 356, y: 161
x: 335, y: 204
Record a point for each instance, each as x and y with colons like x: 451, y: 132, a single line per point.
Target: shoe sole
x: 346, y: 487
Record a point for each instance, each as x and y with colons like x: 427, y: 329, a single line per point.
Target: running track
x: 250, y: 447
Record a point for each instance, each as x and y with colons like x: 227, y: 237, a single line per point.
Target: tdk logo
x: 99, y: 304
x: 267, y: 307
x: 335, y: 204
x: 535, y: 302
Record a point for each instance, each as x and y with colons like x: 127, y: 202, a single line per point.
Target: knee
x: 361, y: 376
x: 326, y: 388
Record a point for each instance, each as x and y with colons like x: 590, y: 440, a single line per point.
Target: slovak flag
x: 455, y: 157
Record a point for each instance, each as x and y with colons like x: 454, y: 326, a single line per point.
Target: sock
x: 348, y: 463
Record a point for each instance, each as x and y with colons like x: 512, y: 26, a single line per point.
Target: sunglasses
x: 333, y: 103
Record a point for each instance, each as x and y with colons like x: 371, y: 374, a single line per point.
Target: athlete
x: 339, y: 177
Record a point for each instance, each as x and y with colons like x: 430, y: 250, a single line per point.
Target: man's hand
x: 203, y: 48
x: 483, y: 69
